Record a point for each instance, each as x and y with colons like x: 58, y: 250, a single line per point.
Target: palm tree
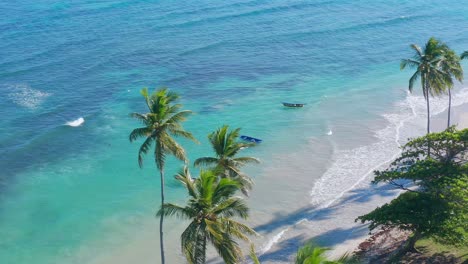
x: 451, y: 66
x: 160, y: 124
x: 464, y: 55
x: 426, y: 64
x: 311, y: 254
x: 226, y: 146
x: 209, y: 209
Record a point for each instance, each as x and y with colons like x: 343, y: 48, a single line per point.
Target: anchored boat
x: 293, y: 105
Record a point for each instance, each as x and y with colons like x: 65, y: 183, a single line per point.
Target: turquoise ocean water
x: 72, y: 194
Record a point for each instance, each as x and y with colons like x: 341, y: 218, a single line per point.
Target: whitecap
x: 25, y: 96
x: 329, y: 133
x: 75, y: 123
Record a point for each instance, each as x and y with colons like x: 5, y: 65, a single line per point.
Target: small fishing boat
x: 251, y: 139
x: 292, y: 105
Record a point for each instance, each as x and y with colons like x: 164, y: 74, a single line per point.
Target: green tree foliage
x: 311, y: 254
x: 226, y: 146
x: 160, y: 125
x: 426, y: 62
x: 435, y: 203
x: 210, y: 209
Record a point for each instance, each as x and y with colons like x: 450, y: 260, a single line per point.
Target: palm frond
x: 139, y: 133
x: 184, y: 134
x: 253, y: 255
x: 464, y: 55
x: 238, y: 229
x: 409, y: 63
x: 412, y: 80
x: 417, y: 49
x: 225, y: 188
x: 311, y: 254
x: 217, y: 140
x: 232, y: 207
x: 174, y: 148
x: 189, y: 240
x: 205, y: 161
x: 227, y: 248
x: 245, y: 182
x: 240, y: 161
x: 179, y: 116
x: 141, y: 117
x: 186, y: 179
x: 169, y: 209
x: 144, y: 148
x: 145, y: 94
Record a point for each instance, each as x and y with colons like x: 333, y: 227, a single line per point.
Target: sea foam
x: 25, y: 96
x: 352, y: 167
x: 75, y: 123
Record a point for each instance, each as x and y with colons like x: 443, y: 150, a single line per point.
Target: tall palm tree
x: 209, y: 209
x: 226, y: 146
x: 451, y: 66
x: 426, y: 64
x: 160, y: 125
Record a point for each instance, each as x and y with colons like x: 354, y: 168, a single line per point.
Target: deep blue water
x: 232, y: 62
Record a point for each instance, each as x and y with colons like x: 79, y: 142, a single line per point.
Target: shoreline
x: 459, y: 118
x: 284, y: 224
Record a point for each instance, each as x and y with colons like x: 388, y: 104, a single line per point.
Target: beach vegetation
x: 161, y: 124
x: 434, y: 203
x: 313, y: 254
x: 450, y: 65
x: 433, y: 80
x: 210, y: 209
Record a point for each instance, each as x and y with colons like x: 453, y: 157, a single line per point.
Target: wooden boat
x: 292, y: 105
x: 251, y: 139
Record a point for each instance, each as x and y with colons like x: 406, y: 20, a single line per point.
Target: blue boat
x: 251, y: 139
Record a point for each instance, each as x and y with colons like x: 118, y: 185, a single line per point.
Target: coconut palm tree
x: 226, y: 146
x: 451, y: 66
x: 160, y: 125
x: 427, y: 69
x: 210, y: 209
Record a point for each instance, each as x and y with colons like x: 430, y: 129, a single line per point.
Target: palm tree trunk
x: 161, y: 219
x: 428, y: 113
x: 428, y: 119
x: 450, y: 105
x: 204, y: 250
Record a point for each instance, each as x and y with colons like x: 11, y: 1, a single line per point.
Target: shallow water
x: 75, y: 194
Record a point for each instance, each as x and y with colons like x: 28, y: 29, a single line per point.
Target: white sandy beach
x: 286, y: 224
x: 380, y: 195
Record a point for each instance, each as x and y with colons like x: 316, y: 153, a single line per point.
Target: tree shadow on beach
x: 286, y: 250
x: 339, y: 235
x: 308, y: 213
x: 288, y: 247
x: 364, y: 195
x: 315, y: 213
